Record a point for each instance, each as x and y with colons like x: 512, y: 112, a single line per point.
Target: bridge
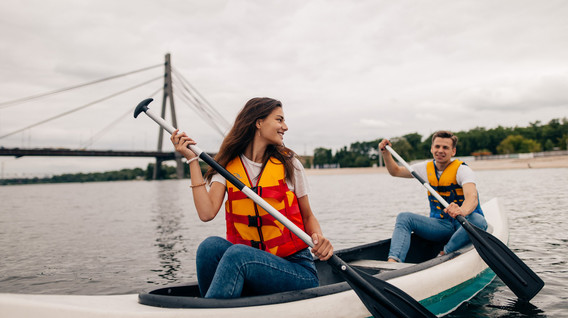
x: 17, y: 152
x: 185, y: 93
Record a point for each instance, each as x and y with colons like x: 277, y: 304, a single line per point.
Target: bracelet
x: 197, y: 185
x: 192, y: 159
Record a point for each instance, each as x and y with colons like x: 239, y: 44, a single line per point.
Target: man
x: 454, y: 181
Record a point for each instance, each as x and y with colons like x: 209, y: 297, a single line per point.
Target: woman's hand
x: 322, y: 247
x: 181, y: 143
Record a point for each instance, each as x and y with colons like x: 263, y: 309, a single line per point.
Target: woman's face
x: 272, y: 127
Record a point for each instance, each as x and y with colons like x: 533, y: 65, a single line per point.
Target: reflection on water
x: 169, y: 219
x: 518, y: 306
x: 169, y: 241
x: 490, y: 303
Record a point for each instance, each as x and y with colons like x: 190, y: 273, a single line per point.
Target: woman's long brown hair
x: 242, y: 134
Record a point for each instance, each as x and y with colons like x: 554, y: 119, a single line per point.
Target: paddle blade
x: 381, y: 298
x: 507, y: 265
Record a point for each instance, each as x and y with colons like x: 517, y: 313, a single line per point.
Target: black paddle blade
x: 381, y: 298
x: 507, y: 265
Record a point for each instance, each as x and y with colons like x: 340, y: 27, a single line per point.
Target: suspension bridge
x: 185, y: 93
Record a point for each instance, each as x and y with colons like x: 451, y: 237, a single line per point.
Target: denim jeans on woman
x: 438, y: 230
x: 225, y: 270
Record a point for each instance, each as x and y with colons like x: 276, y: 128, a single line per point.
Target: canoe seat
x: 370, y: 263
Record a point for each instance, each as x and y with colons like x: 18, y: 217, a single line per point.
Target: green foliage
x: 518, y: 144
x: 124, y: 174
x: 322, y: 156
x: 403, y: 148
x: 500, y: 140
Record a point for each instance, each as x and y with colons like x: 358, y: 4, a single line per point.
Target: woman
x: 259, y: 256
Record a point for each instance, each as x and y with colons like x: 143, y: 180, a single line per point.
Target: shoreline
x: 476, y: 165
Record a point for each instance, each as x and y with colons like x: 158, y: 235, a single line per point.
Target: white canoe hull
x: 441, y: 288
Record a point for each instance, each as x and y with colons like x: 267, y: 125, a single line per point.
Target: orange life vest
x: 447, y: 186
x: 250, y: 224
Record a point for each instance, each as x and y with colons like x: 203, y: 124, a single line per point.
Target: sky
x: 345, y: 71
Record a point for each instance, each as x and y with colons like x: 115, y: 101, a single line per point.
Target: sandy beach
x: 495, y: 164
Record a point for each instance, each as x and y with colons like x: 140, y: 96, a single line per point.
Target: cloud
x: 519, y: 94
x: 373, y: 122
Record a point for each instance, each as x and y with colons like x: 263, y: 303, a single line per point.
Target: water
x: 126, y: 237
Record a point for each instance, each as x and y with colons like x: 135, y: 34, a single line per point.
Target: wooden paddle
x: 381, y: 298
x: 509, y: 267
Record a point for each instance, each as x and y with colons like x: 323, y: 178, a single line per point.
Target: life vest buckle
x: 258, y: 245
x: 254, y: 221
x: 257, y: 190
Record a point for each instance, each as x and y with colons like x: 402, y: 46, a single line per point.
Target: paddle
x: 381, y: 298
x: 509, y: 267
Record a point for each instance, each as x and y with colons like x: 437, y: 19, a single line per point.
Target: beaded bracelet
x: 197, y: 185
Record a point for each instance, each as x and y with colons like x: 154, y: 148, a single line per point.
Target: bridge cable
x: 202, y: 101
x: 190, y: 101
x: 198, y: 106
x: 187, y: 85
x: 81, y: 107
x: 203, y: 114
x: 106, y: 129
x: 21, y: 100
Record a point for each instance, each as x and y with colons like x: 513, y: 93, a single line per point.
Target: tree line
x: 478, y: 141
x: 165, y: 172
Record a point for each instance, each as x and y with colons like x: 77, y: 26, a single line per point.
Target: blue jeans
x: 226, y: 270
x: 438, y: 230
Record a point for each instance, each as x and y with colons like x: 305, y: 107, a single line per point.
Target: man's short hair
x: 446, y: 134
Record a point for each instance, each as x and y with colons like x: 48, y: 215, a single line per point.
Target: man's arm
x: 393, y: 168
x: 469, y: 203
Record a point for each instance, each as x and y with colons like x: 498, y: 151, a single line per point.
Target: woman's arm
x: 323, y: 248
x: 206, y: 202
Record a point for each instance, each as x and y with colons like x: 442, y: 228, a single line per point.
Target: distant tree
x: 518, y: 144
x: 496, y: 135
x: 308, y: 163
x: 403, y: 148
x: 322, y: 156
x: 563, y: 143
x: 345, y: 158
x: 365, y: 153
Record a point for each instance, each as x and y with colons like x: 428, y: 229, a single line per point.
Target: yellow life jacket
x: 447, y: 186
x: 250, y: 224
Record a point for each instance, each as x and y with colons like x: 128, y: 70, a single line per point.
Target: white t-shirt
x: 299, y: 184
x: 464, y: 174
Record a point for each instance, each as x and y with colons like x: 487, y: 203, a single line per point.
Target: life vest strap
x: 250, y: 220
x: 254, y: 220
x: 274, y: 192
x: 262, y: 245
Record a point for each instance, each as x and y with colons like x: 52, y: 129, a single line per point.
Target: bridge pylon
x: 168, y: 95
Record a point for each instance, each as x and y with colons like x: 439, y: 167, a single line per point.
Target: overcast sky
x: 345, y: 71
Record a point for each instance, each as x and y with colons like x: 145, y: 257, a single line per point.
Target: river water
x: 126, y: 237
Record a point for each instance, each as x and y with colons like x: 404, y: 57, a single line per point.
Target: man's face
x: 442, y: 150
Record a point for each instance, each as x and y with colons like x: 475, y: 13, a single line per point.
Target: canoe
x: 441, y: 284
